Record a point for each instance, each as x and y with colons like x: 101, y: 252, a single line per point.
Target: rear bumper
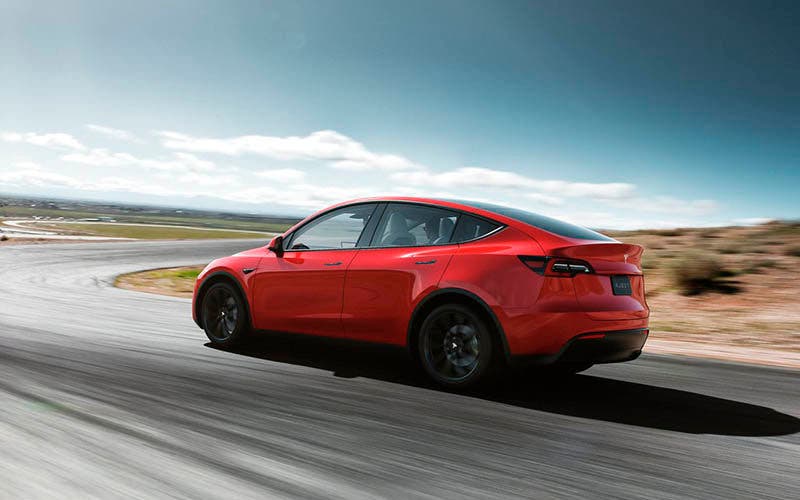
x: 601, y: 347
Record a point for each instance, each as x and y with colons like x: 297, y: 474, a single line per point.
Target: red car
x: 466, y: 287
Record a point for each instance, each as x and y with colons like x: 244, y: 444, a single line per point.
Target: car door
x: 407, y: 255
x: 301, y: 291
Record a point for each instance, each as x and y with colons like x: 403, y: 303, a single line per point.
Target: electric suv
x: 466, y: 287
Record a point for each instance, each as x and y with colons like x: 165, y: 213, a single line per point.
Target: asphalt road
x: 111, y: 393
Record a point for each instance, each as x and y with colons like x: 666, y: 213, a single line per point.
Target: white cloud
x: 114, y: 133
x: 186, y: 184
x: 27, y: 165
x: 545, y: 199
x: 554, y: 192
x: 206, y: 180
x: 282, y: 175
x: 293, y: 191
x: 181, y: 174
x: 187, y: 161
x: 329, y: 146
x: 313, y: 196
x: 99, y: 157
x: 752, y: 221
x: 478, y: 177
x: 57, y: 140
x: 31, y: 174
x: 597, y: 219
x: 668, y: 205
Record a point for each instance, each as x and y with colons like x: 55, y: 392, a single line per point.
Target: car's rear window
x: 547, y: 223
x: 472, y: 228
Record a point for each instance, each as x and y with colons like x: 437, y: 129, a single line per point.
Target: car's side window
x: 406, y: 225
x: 337, y: 229
x: 470, y: 228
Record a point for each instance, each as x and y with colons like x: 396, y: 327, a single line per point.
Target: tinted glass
x: 470, y: 228
x: 406, y: 225
x: 337, y: 229
x: 547, y: 223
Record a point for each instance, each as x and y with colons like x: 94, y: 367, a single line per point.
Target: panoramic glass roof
x: 549, y: 224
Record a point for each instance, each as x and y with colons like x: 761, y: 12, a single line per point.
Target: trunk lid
x: 610, y: 263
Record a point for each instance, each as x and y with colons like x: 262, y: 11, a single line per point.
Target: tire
x: 224, y: 315
x: 456, y: 347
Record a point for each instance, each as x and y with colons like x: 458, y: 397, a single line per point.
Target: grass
x: 185, y: 274
x: 177, y: 281
x: 144, y: 231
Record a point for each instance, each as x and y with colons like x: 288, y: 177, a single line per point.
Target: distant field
x: 143, y: 232
x: 12, y: 212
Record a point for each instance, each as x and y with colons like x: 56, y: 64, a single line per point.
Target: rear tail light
x: 572, y: 267
x: 555, y: 266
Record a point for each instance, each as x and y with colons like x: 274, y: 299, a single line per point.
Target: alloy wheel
x: 221, y: 313
x: 451, y: 346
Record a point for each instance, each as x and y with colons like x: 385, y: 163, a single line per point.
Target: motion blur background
x: 127, y: 126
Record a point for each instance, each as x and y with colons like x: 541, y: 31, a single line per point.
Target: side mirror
x: 276, y: 245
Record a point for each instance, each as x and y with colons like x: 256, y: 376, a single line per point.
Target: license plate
x: 621, y: 285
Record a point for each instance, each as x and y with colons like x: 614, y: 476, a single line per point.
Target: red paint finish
x: 371, y: 294
x: 384, y: 284
x: 301, y: 292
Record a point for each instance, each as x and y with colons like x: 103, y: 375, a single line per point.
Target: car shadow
x: 585, y: 396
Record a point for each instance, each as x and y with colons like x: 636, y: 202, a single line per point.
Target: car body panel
x: 383, y: 286
x: 301, y: 291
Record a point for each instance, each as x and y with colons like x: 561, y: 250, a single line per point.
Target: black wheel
x: 224, y: 315
x: 455, y: 347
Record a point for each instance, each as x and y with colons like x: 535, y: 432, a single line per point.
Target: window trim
x: 499, y: 228
x: 289, y: 238
x: 380, y: 208
x: 431, y: 205
x: 500, y: 225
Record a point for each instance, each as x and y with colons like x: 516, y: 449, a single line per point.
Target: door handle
x: 424, y: 262
x: 333, y: 263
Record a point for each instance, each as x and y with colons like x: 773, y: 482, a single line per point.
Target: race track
x: 113, y: 393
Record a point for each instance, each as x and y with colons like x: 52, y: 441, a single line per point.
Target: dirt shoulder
x: 175, y: 281
x: 737, y: 354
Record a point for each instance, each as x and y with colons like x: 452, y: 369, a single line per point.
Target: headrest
x: 397, y: 223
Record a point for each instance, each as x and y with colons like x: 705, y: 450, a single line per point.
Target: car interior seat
x: 446, y: 227
x: 398, y: 232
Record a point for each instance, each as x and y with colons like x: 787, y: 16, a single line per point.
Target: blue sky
x: 609, y: 114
